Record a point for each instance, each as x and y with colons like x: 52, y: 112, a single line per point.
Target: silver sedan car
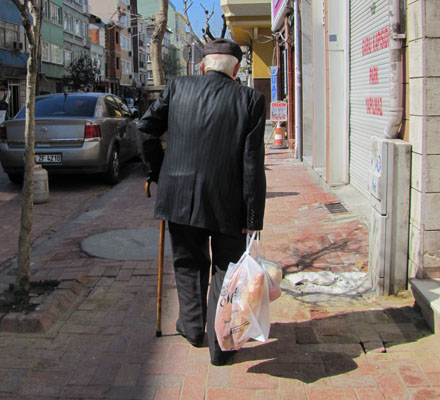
x: 74, y: 133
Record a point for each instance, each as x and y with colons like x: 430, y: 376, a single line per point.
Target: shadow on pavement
x: 271, y: 195
x: 320, y: 348
x: 307, y: 259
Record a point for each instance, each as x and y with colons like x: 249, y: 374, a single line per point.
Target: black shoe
x: 222, y: 358
x: 196, y: 342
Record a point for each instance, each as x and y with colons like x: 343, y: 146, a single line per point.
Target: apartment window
x: 97, y: 60
x: 125, y: 43
x: 45, y: 51
x: 56, y: 14
x: 126, y: 67
x: 51, y: 53
x: 124, y: 20
x: 46, y: 9
x: 117, y: 37
x: 117, y: 62
x: 69, y: 24
x: 9, y: 34
x: 67, y: 57
x: 56, y: 54
x: 78, y: 27
x: 148, y: 57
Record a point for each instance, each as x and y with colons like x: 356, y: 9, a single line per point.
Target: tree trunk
x: 161, y: 19
x: 24, y: 240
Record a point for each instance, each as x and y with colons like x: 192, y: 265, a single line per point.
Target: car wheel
x: 113, y: 174
x: 16, y: 178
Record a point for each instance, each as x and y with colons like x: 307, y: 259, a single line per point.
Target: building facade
x: 117, y: 16
x: 98, y: 52
x: 76, y: 30
x: 13, y: 60
x: 52, y: 47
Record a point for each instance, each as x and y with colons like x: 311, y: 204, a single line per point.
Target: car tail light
x: 92, y: 131
x: 3, y: 136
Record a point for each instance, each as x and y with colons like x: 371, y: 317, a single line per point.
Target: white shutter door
x: 369, y: 83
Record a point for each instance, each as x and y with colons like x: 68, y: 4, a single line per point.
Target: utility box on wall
x: 390, y: 204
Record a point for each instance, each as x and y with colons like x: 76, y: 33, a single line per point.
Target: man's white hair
x: 220, y: 62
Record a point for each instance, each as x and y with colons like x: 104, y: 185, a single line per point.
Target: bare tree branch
x: 224, y: 26
x: 207, y: 30
x: 208, y: 17
x: 186, y: 7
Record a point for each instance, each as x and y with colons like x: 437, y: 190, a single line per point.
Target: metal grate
x: 335, y: 208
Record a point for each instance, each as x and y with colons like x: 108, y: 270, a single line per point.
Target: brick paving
x: 104, y: 345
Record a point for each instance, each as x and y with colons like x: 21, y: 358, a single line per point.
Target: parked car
x: 74, y: 133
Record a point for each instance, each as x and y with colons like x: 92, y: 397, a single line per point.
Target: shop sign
x: 279, y: 10
x: 278, y: 111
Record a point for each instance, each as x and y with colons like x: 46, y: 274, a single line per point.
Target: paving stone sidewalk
x: 333, y: 347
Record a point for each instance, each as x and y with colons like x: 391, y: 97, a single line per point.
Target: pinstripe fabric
x: 212, y: 175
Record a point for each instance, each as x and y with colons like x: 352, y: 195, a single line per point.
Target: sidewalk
x: 320, y: 347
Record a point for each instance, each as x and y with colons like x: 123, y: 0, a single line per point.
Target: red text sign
x: 376, y: 41
x: 374, y: 105
x: 374, y: 75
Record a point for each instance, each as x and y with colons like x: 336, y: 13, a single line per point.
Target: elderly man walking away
x: 212, y: 185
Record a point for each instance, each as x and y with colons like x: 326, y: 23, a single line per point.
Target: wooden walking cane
x: 160, y: 279
x: 160, y: 269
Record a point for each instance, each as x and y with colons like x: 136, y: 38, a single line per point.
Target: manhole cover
x: 335, y: 208
x: 126, y: 245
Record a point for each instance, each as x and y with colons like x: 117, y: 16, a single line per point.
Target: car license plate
x: 48, y: 158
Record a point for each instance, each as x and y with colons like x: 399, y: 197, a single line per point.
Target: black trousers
x: 192, y: 265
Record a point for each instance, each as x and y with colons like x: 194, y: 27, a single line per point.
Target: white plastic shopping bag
x: 243, y: 306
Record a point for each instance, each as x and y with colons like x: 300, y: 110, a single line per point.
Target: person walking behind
x: 212, y: 184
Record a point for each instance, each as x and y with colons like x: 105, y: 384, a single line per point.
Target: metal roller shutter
x: 369, y: 83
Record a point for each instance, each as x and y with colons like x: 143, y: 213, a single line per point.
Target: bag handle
x: 250, y: 241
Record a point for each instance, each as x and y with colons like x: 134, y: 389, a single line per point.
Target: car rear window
x: 63, y: 106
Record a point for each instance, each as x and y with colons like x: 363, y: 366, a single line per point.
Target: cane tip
x: 158, y: 333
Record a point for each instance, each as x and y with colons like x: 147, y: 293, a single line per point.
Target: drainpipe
x: 298, y: 82
x: 290, y: 85
x: 396, y: 74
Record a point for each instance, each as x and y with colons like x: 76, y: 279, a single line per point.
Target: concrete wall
x: 319, y: 87
x: 337, y: 163
x: 423, y: 33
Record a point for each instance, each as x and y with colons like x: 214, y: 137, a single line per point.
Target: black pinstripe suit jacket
x: 212, y: 175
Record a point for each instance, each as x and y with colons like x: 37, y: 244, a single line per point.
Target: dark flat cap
x: 223, y: 46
